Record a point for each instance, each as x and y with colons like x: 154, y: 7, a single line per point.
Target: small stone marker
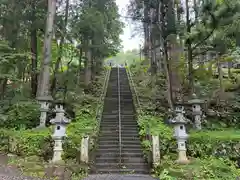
x: 156, y: 150
x: 84, y: 149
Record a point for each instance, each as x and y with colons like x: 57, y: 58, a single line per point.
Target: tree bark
x: 43, y: 85
x: 229, y: 69
x: 88, y: 63
x: 220, y: 77
x: 146, y: 32
x: 57, y: 65
x: 168, y: 77
x: 34, y: 78
x: 79, y: 66
x: 163, y: 41
x: 93, y: 69
x: 189, y: 52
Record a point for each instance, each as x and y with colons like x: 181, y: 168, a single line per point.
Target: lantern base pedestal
x: 41, y: 126
x: 57, y: 150
x: 182, y: 157
x: 57, y: 157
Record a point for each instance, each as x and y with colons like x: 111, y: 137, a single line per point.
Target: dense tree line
x: 189, y: 33
x: 78, y: 36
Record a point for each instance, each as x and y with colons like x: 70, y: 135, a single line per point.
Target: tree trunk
x: 4, y: 86
x: 99, y: 66
x: 79, y: 66
x: 220, y: 76
x: 189, y: 52
x: 57, y: 65
x: 88, y: 63
x: 229, y: 69
x: 168, y: 79
x: 146, y: 32
x: 163, y: 41
x: 66, y: 79
x: 34, y: 78
x: 43, y: 85
x: 93, y: 69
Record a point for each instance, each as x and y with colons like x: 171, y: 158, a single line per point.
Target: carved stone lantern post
x: 44, y: 102
x: 180, y: 134
x: 196, y: 111
x: 60, y: 122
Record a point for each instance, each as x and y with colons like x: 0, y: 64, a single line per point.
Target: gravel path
x: 9, y: 177
x: 8, y: 172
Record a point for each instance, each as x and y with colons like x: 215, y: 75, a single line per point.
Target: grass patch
x: 199, y: 169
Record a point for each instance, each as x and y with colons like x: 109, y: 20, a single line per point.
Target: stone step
x: 125, y: 142
x: 115, y: 123
x: 123, y: 131
x: 123, y: 160
x: 115, y: 137
x: 107, y: 170
x: 108, y: 152
x: 112, y: 116
x: 133, y: 126
x: 123, y: 145
x: 122, y: 166
x: 124, y: 154
x: 117, y: 150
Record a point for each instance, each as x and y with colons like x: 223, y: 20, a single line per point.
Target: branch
x: 199, y: 53
x: 204, y: 39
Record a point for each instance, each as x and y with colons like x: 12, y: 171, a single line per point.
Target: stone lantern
x: 196, y: 111
x: 60, y: 122
x: 180, y: 134
x: 44, y: 102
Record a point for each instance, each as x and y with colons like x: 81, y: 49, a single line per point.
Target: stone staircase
x: 111, y: 158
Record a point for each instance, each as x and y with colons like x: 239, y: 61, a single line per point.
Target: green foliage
x: 152, y: 98
x: 223, y: 143
x: 209, y: 168
x: 26, y: 142
x: 129, y: 57
x: 85, y: 124
x: 22, y: 115
x: 39, y: 142
x: 99, y: 21
x: 154, y: 126
x: 220, y: 143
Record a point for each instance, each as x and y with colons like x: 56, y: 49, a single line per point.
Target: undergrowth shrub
x: 27, y: 142
x: 205, y: 168
x: 23, y: 114
x: 218, y: 143
x: 221, y: 143
x: 85, y: 124
x: 16, y: 138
